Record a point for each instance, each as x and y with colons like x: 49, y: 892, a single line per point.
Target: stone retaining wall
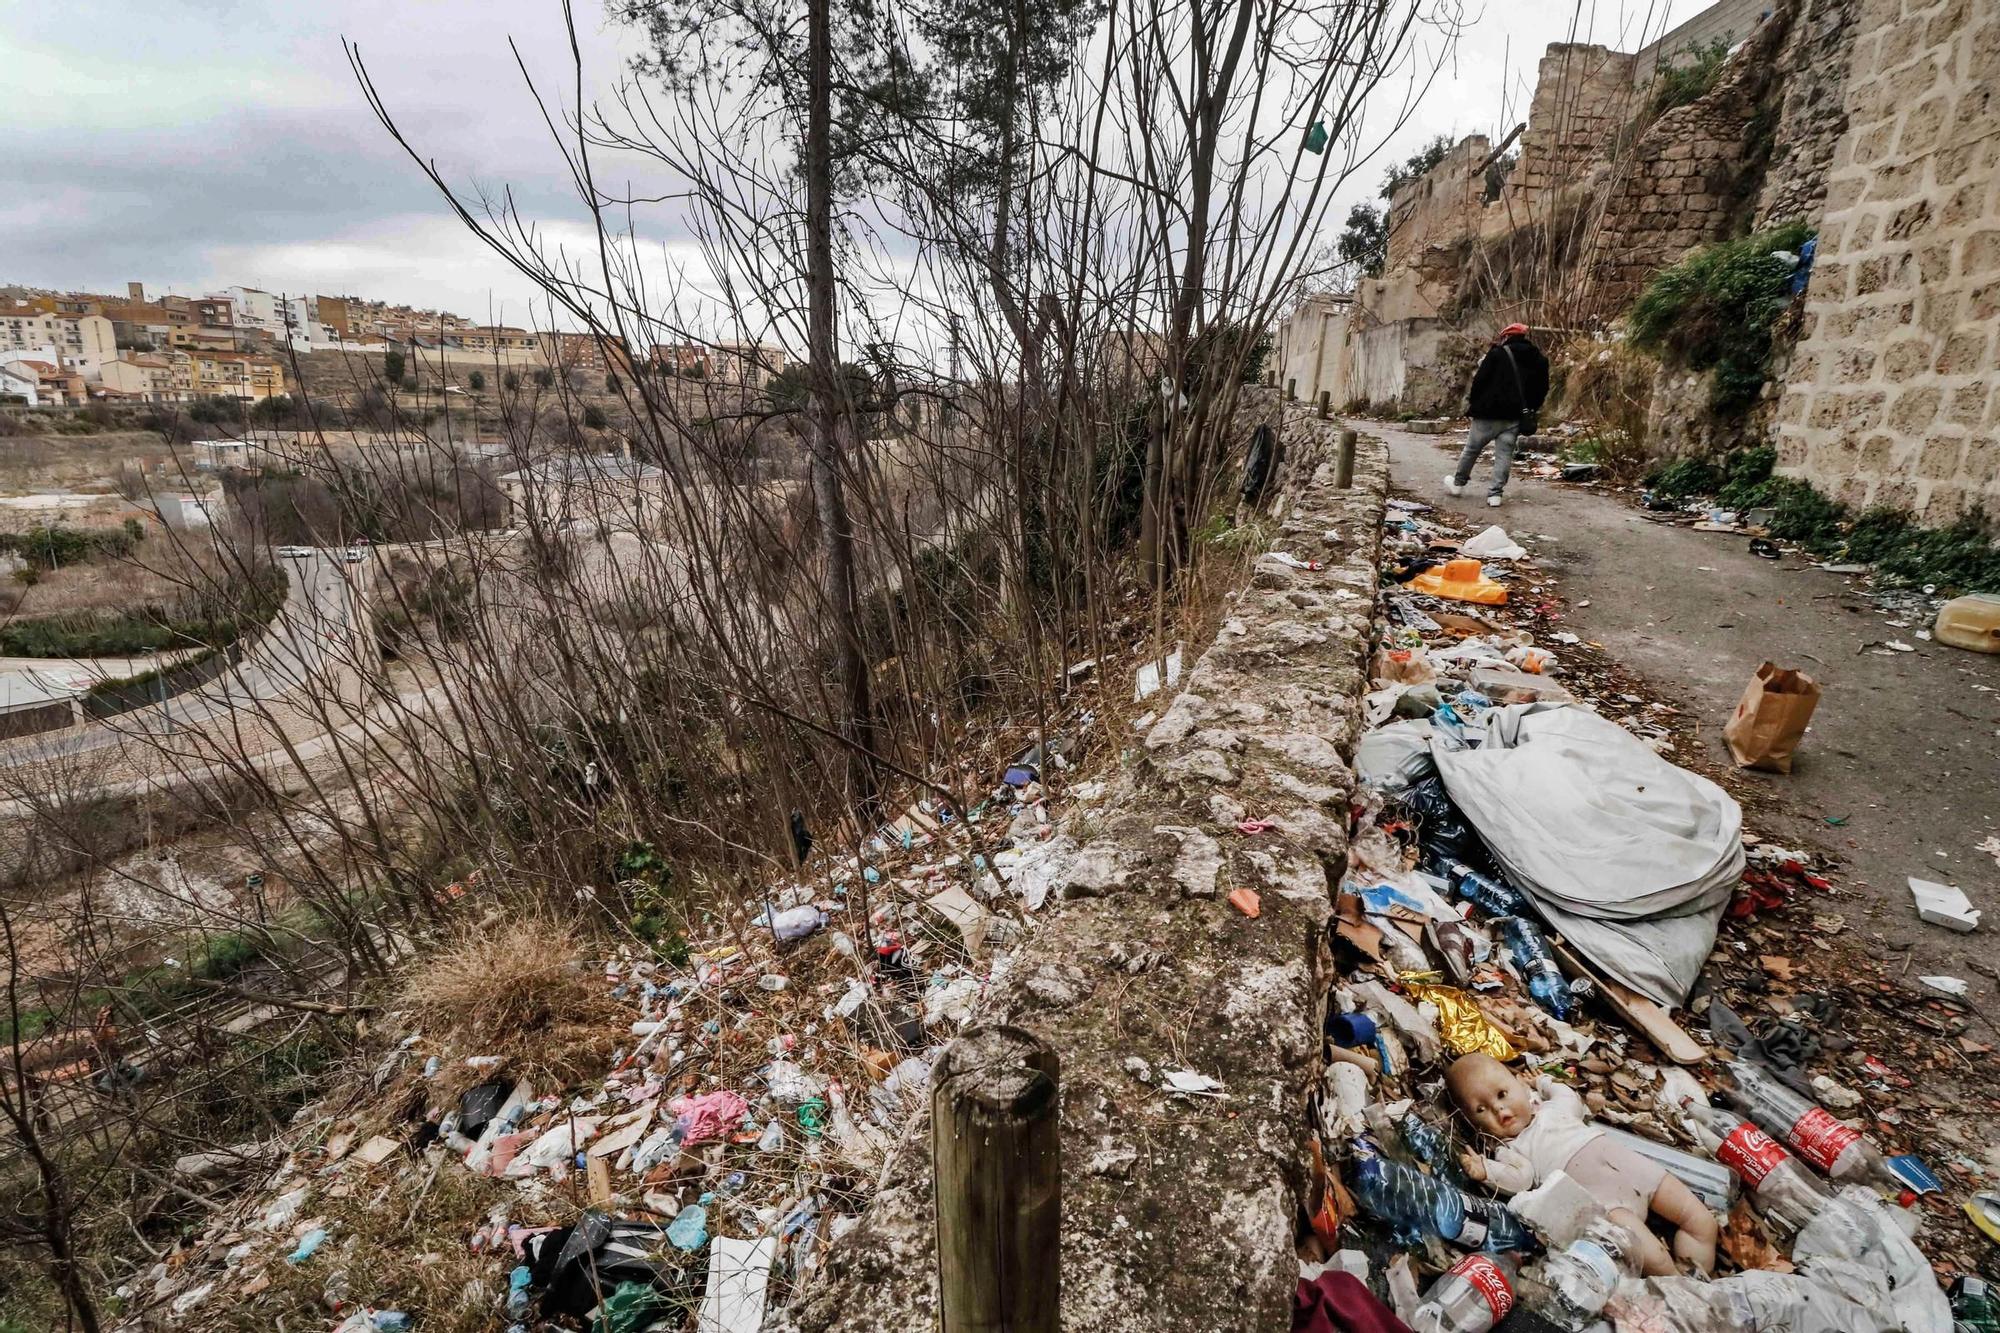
x: 1179, y: 1212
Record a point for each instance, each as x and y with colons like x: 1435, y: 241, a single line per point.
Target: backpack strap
x: 1520, y: 390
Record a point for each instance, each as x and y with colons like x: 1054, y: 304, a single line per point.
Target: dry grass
x: 519, y: 990
x: 397, y: 1242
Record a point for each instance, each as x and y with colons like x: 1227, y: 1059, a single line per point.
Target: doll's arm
x: 1507, y: 1171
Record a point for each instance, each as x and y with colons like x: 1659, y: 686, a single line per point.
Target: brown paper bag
x: 1771, y: 718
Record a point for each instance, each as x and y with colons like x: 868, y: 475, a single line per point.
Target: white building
x: 292, y: 319
x: 21, y: 384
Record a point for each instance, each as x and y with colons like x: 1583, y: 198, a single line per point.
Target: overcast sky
x: 194, y: 144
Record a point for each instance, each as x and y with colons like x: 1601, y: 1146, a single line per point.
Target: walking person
x: 1504, y: 401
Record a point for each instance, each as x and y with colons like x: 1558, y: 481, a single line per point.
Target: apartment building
x: 494, y: 338
x: 81, y: 343
x: 152, y: 377
x: 236, y: 375
x: 584, y: 352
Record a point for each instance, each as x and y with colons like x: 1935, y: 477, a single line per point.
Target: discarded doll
x: 1548, y: 1130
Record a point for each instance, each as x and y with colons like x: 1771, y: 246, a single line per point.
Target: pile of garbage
x: 759, y: 1088
x: 1513, y: 1130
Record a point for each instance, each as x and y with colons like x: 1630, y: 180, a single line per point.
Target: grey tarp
x: 1631, y: 858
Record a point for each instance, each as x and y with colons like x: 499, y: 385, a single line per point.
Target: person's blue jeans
x: 1503, y: 436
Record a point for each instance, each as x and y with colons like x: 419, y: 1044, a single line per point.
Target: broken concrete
x: 1173, y: 1203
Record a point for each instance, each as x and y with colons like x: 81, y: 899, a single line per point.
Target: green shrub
x: 1746, y: 477
x: 1714, y: 311
x: 1801, y: 514
x: 1680, y: 478
x: 1689, y: 79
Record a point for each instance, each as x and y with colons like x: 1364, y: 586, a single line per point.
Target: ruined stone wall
x: 1308, y: 349
x: 1582, y: 103
x: 1892, y: 396
x: 1682, y: 183
x: 1179, y: 1212
x: 1439, y: 208
x: 1812, y: 110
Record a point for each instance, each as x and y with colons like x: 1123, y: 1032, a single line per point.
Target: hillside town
x: 68, y: 349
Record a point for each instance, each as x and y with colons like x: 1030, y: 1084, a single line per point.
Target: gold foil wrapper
x: 1464, y: 1028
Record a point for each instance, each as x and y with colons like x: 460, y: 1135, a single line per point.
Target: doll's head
x: 1492, y: 1098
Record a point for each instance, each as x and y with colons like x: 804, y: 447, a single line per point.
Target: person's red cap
x: 1513, y: 329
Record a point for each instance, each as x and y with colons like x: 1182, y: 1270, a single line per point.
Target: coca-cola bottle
x: 1811, y: 1130
x: 1785, y: 1193
x: 1472, y: 1296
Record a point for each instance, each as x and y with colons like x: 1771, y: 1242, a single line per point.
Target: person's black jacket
x: 1494, y: 397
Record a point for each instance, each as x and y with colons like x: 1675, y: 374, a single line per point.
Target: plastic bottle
x: 1416, y: 1205
x: 1569, y: 1286
x: 1489, y: 895
x: 1530, y: 951
x: 1473, y: 1295
x: 1811, y: 1130
x: 1431, y: 1145
x: 1786, y: 1195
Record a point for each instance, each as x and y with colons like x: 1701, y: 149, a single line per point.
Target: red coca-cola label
x: 1750, y: 1153
x: 1489, y: 1280
x: 1821, y: 1139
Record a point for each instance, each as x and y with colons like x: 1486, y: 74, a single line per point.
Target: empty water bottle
x: 1537, y: 966
x: 1811, y: 1130
x: 1415, y: 1205
x: 1787, y: 1197
x: 1569, y: 1286
x: 1489, y: 895
x: 1473, y: 1295
x: 1431, y: 1145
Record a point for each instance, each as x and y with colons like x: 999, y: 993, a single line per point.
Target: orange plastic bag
x: 1462, y: 581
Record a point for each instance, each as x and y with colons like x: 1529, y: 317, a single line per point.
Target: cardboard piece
x: 1771, y: 718
x: 739, y: 1272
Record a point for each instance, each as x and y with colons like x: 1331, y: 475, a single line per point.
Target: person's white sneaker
x: 1451, y: 484
x: 1492, y: 502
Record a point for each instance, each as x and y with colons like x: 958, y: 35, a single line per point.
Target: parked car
x: 295, y: 552
x: 354, y: 555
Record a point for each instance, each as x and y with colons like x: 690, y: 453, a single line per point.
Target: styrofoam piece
x: 1944, y: 905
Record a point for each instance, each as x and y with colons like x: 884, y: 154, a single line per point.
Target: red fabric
x: 1511, y: 330
x: 1337, y: 1302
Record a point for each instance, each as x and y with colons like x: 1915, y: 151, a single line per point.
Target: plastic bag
x: 1442, y: 831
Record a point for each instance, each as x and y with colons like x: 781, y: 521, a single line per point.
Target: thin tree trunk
x: 829, y: 414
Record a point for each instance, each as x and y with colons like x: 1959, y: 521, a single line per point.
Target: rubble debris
x: 1517, y: 887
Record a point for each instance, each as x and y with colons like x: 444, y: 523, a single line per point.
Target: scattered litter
x: 1952, y: 986
x: 1189, y: 1083
x: 1492, y: 544
x: 1148, y: 682
x: 739, y: 1275
x: 1943, y: 905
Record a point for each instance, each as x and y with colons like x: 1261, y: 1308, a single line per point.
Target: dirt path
x: 1902, y: 749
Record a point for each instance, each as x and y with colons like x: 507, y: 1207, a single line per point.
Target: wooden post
x: 1325, y: 403
x: 1291, y: 390
x: 997, y: 1157
x: 1343, y: 462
